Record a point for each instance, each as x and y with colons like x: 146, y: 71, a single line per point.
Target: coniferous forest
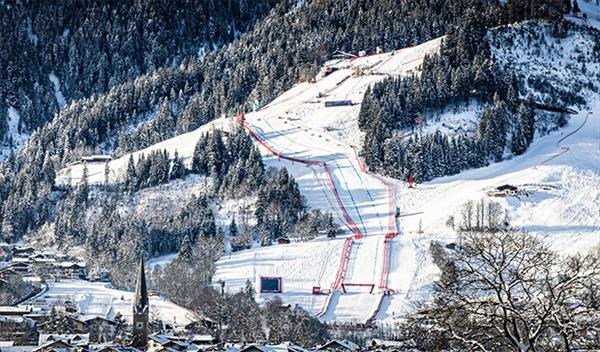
x: 395, y: 111
x: 115, y: 78
x: 191, y: 90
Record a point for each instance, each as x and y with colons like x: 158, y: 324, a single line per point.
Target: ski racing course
x: 333, y: 178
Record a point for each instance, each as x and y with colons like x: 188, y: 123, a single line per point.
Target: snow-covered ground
x: 592, y: 10
x: 301, y: 265
x: 563, y: 207
x: 184, y: 145
x: 13, y: 134
x: 99, y: 299
x: 565, y: 192
x: 60, y: 98
x: 298, y: 125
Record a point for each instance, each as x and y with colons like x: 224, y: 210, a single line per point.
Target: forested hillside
x: 285, y: 47
x: 126, y: 134
x: 114, y: 225
x: 56, y: 53
x: 480, y: 68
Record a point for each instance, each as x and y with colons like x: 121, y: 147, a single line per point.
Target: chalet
x: 283, y: 240
x: 204, y: 340
x: 339, y: 345
x: 75, y: 340
x: 385, y: 345
x: 62, y: 343
x: 258, y: 348
x: 101, y: 329
x: 21, y: 268
x: 55, y: 346
x: 284, y: 347
x: 503, y: 191
x: 69, y: 270
x: 162, y: 342
x: 79, y: 326
x: 117, y: 348
x: 22, y: 251
x: 507, y: 188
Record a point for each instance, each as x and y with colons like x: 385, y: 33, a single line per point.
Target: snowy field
x: 99, y: 299
x: 301, y: 265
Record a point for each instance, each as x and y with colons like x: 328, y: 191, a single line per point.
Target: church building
x: 141, y: 309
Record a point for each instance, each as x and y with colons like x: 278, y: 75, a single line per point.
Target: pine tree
x: 83, y: 187
x: 233, y: 230
x: 185, y: 250
x: 331, y: 228
x: 131, y: 179
x: 177, y: 167
x: 199, y: 159
x: 106, y: 176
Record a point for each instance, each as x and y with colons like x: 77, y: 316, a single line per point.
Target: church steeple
x: 140, y: 310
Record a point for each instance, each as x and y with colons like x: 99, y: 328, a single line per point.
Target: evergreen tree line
x: 462, y: 73
x: 158, y: 168
x: 231, y: 160
x: 427, y: 156
x: 291, y: 42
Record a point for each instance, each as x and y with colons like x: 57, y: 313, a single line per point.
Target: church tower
x: 141, y: 307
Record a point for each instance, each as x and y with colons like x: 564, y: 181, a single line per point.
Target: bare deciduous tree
x: 506, y: 290
x: 482, y: 216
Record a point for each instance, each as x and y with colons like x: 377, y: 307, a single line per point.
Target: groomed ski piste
x: 560, y: 171
x: 332, y: 175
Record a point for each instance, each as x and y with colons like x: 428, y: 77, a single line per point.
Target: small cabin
x: 22, y: 251
x: 339, y: 345
x: 283, y: 240
x: 507, y: 188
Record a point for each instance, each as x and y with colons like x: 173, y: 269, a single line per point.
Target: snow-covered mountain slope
x: 560, y: 171
x: 184, y: 145
x: 563, y: 204
x: 331, y: 176
x: 341, y: 121
x: 563, y: 184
